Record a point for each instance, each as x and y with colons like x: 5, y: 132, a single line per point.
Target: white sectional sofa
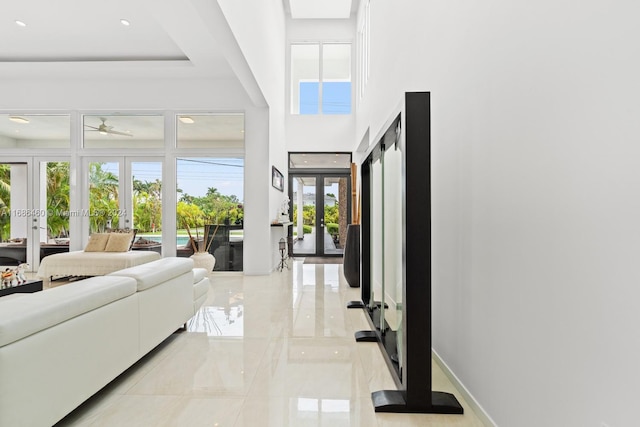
x: 60, y: 346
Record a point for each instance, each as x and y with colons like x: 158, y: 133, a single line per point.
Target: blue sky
x: 196, y: 175
x: 336, y: 97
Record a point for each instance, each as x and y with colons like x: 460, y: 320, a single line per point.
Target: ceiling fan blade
x: 115, y: 132
x: 92, y: 127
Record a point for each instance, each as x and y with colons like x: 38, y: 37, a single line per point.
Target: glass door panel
x: 146, y: 203
x: 392, y: 228
x: 304, y: 215
x: 376, y: 234
x: 336, y: 193
x: 14, y: 214
x: 54, y: 204
x: 104, y: 190
x: 126, y: 192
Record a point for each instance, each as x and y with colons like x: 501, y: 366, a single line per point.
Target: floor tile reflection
x: 273, y: 350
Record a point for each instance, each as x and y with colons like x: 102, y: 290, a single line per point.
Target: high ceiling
x: 88, y: 38
x: 121, y: 39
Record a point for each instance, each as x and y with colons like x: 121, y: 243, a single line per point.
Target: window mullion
x: 320, y: 76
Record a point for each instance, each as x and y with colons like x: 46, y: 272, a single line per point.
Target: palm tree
x: 147, y: 204
x: 58, y: 198
x: 5, y: 200
x: 103, y: 197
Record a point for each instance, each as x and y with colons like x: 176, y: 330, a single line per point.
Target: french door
x: 123, y: 192
x: 321, y: 205
x: 34, y: 209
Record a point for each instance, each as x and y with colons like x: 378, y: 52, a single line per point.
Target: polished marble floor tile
x: 205, y: 366
x: 170, y: 411
x: 305, y: 411
x: 273, y: 350
x: 303, y: 367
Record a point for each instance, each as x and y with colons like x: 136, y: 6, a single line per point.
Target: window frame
x: 295, y: 106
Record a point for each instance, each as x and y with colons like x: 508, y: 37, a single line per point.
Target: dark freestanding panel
x: 413, y: 370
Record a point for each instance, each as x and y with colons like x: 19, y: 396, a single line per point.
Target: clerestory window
x: 321, y: 78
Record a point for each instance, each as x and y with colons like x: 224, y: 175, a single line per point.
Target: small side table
x: 283, y: 245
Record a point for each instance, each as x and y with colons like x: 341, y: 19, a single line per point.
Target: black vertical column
x: 417, y: 240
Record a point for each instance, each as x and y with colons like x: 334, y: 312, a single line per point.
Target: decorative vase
x: 203, y: 260
x: 351, y: 259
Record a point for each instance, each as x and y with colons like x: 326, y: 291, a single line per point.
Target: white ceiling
x: 86, y: 38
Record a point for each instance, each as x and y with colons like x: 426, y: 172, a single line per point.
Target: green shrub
x: 306, y: 229
x: 332, y: 228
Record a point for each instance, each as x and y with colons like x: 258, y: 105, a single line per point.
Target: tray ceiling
x: 80, y: 36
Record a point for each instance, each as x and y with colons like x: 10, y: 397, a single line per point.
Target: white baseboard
x: 468, y: 397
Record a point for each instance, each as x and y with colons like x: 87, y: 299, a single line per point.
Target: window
x: 364, y: 48
x: 21, y: 131
x: 210, y: 190
x: 116, y: 131
x: 321, y: 78
x: 210, y: 194
x: 224, y: 131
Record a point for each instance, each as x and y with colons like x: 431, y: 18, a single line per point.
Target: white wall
x: 259, y: 29
x: 121, y: 94
x: 535, y: 196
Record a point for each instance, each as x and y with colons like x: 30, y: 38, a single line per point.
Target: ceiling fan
x: 103, y: 129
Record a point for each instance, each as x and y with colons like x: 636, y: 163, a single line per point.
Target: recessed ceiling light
x: 18, y: 119
x: 186, y: 119
x: 20, y: 23
x: 125, y: 22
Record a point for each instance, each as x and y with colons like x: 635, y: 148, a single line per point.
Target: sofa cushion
x: 119, y: 242
x: 97, y: 242
x: 131, y: 231
x: 155, y: 272
x: 21, y: 317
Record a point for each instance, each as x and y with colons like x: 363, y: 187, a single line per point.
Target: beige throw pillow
x: 97, y: 242
x: 119, y: 242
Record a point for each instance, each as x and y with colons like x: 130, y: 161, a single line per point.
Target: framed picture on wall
x: 277, y: 179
